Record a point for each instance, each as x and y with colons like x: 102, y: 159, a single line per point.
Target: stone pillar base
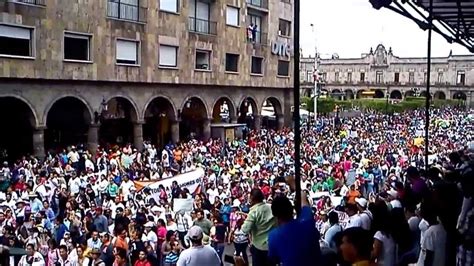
x: 175, y: 131
x: 93, y: 138
x: 138, y: 135
x: 38, y: 143
x: 257, y: 122
x: 206, y: 132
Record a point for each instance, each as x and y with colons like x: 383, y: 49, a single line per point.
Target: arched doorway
x: 396, y: 94
x: 378, y: 94
x: 409, y: 93
x: 439, y: 95
x: 271, y: 113
x: 459, y: 95
x: 159, y: 116
x: 349, y: 94
x: 16, y: 136
x: 247, y: 112
x: 193, y: 119
x: 423, y: 94
x: 223, y: 111
x: 67, y: 123
x: 360, y: 94
x: 337, y: 94
x: 116, y: 121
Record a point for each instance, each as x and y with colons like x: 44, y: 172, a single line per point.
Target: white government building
x: 381, y: 74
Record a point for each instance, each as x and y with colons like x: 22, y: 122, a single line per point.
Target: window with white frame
x: 203, y: 60
x: 127, y: 52
x: 16, y: 41
x: 77, y: 46
x: 168, y: 56
x: 169, y: 5
x: 232, y: 16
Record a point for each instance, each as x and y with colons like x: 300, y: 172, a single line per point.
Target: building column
x: 138, y: 135
x: 233, y: 120
x: 206, y: 129
x: 175, y: 131
x: 280, y: 121
x: 38, y: 143
x: 257, y: 122
x: 93, y: 138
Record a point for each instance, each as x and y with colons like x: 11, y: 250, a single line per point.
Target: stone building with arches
x: 73, y: 78
x: 381, y: 74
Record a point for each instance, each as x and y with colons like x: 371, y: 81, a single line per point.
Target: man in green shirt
x: 258, y: 224
x: 203, y: 222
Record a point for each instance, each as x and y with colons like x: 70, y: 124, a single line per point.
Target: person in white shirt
x: 365, y: 215
x: 433, y: 245
x: 125, y: 187
x: 150, y: 236
x: 198, y: 254
x: 354, y: 219
x: 32, y: 258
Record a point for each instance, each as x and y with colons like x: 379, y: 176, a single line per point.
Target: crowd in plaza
x: 367, y: 198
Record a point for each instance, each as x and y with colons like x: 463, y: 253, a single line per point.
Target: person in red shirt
x: 142, y: 260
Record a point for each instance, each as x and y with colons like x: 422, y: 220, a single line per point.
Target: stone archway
x: 67, y: 122
x: 194, y: 120
x: 360, y: 94
x: 409, y: 93
x: 459, y: 95
x: 248, y: 113
x: 160, y: 125
x: 423, y: 94
x: 396, y: 94
x: 116, y: 121
x: 378, y: 94
x: 349, y: 94
x: 16, y: 137
x: 440, y: 95
x: 337, y: 94
x: 223, y: 111
x: 271, y: 113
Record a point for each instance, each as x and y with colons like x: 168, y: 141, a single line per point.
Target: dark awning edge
x: 454, y: 20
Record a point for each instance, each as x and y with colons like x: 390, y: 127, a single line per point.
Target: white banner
x: 191, y: 180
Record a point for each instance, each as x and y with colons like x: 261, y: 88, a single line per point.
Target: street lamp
x: 315, y: 76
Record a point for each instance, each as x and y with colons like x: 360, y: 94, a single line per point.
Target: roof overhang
x: 452, y: 19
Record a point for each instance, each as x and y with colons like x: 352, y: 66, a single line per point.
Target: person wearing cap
x: 365, y: 215
x: 94, y: 258
x: 150, y: 235
x: 198, y: 254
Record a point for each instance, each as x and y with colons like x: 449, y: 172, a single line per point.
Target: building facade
x: 118, y: 71
x: 381, y: 74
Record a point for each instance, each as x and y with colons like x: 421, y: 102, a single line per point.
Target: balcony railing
x: 120, y: 10
x: 30, y: 2
x: 258, y: 3
x: 202, y: 26
x: 258, y: 37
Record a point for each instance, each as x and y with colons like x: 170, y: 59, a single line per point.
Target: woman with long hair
x: 384, y: 247
x: 240, y: 239
x: 53, y: 252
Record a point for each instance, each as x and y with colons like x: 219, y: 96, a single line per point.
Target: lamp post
x: 315, y: 75
x: 469, y: 96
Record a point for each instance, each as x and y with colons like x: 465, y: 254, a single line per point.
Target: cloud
x: 350, y: 27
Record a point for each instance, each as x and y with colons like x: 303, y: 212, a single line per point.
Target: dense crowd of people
x: 367, y: 199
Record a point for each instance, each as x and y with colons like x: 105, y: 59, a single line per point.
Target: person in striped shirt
x: 172, y: 258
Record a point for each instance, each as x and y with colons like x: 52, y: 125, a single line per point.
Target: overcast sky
x: 351, y: 27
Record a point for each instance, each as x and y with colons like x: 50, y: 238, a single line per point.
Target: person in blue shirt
x: 225, y: 212
x: 294, y: 241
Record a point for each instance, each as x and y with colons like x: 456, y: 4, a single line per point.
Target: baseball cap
x: 195, y: 233
x: 362, y: 202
